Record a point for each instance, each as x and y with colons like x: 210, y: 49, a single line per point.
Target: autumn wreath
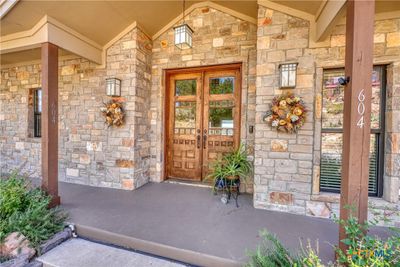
x: 114, y: 113
x: 288, y: 113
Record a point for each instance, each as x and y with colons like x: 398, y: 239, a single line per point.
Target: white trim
x: 388, y: 15
x: 203, y: 5
x: 313, y: 42
x: 329, y: 17
x: 378, y: 16
x: 321, y: 7
x: 6, y: 6
x: 73, y: 32
x: 120, y: 35
x: 36, y: 61
x: 287, y: 10
x: 27, y: 33
x: 74, y: 44
x: 52, y: 31
x: 113, y: 41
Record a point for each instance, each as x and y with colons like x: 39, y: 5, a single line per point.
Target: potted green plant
x: 228, y: 172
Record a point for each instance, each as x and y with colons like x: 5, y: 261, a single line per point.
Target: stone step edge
x: 157, y: 249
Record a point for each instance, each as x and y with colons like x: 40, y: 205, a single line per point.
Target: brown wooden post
x: 357, y: 111
x: 50, y: 121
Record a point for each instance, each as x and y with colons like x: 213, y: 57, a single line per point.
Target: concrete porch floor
x: 188, y: 223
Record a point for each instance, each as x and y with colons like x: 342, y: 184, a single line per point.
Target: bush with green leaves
x: 25, y: 209
x: 271, y: 253
x: 365, y: 249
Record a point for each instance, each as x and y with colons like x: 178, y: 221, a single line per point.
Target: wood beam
x: 50, y: 121
x: 328, y: 17
x: 357, y: 111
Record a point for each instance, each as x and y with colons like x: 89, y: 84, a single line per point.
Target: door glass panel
x: 220, y: 118
x: 185, y: 118
x: 222, y: 85
x: 185, y: 87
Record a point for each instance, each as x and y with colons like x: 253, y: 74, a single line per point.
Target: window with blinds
x: 37, y: 113
x: 332, y: 131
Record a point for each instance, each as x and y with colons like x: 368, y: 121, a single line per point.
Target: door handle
x: 204, y: 141
x: 198, y: 141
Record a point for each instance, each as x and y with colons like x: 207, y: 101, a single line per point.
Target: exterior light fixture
x: 183, y: 33
x: 288, y: 74
x: 113, y: 87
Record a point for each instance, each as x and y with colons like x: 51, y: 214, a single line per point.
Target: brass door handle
x: 198, y: 141
x: 204, y: 141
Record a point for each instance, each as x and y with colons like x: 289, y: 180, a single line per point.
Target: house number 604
x: 361, y: 108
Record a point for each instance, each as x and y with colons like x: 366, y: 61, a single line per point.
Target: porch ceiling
x: 101, y: 21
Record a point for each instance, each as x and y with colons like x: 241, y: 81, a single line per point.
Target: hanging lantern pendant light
x: 183, y: 33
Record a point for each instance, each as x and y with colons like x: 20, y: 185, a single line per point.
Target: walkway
x: 83, y: 253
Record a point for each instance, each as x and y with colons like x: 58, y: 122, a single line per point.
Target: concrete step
x: 193, y: 258
x: 79, y: 252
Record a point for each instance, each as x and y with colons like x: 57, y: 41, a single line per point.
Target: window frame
x: 37, y: 114
x: 378, y: 132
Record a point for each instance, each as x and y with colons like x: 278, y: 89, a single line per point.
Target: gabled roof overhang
x: 321, y: 24
x: 6, y: 6
x: 51, y: 31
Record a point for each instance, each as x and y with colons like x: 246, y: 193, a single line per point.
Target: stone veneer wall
x: 16, y: 149
x: 89, y: 152
x: 287, y: 166
x: 218, y: 38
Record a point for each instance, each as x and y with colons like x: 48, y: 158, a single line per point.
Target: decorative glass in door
x: 184, y: 160
x: 203, y: 121
x: 221, y: 116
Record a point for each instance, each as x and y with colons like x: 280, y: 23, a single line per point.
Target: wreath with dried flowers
x: 114, y: 113
x: 287, y: 114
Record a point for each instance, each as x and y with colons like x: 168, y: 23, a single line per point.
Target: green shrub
x: 367, y: 250
x: 25, y: 210
x: 271, y: 253
x: 364, y: 250
x: 12, y: 196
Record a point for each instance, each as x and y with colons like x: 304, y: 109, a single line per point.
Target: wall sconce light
x: 288, y: 74
x: 113, y: 87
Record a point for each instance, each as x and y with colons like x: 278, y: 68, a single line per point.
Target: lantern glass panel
x: 288, y: 75
x: 117, y: 87
x: 183, y: 36
x: 113, y: 87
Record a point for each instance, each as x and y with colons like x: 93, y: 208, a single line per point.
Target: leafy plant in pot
x: 230, y: 170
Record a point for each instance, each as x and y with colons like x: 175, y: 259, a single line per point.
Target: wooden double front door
x: 203, y: 120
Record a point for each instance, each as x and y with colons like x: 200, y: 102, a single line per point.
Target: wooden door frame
x: 167, y: 74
